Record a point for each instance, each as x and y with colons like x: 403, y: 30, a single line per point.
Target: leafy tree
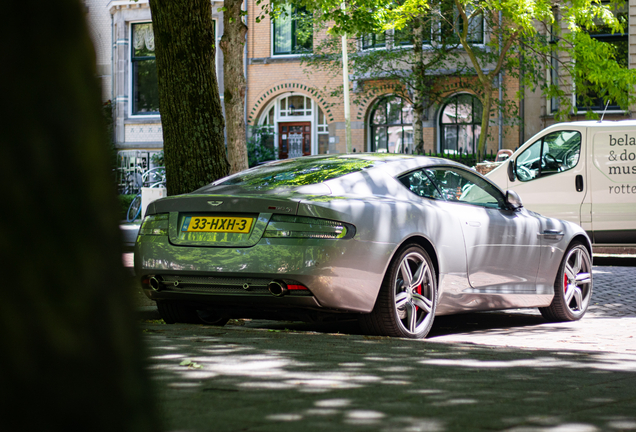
x: 191, y: 114
x: 515, y: 43
x: 233, y: 45
x: 398, y: 57
x: 71, y: 351
x: 513, y: 30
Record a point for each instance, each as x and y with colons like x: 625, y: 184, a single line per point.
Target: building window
x: 391, y: 121
x: 373, y: 41
x: 391, y: 39
x: 293, y: 31
x: 603, y: 33
x: 475, y: 26
x: 295, y: 106
x: 294, y: 114
x: 145, y: 97
x: 460, y: 124
x: 446, y: 29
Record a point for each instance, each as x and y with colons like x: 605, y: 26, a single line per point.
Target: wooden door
x: 294, y: 139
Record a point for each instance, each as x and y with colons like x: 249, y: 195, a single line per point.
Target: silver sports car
x: 392, y: 240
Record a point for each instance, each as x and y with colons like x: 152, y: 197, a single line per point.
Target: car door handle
x: 552, y: 234
x: 578, y: 181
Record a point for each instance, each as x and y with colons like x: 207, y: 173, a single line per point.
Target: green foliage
x: 157, y: 159
x: 260, y: 146
x: 525, y: 39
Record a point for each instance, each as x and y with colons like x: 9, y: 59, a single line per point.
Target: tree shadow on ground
x: 272, y: 379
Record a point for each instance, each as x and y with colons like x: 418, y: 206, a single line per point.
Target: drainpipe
x: 345, y: 78
x: 112, y: 57
x: 244, y: 7
x: 522, y: 104
x: 500, y: 89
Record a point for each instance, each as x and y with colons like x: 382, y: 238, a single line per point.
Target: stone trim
x: 371, y: 97
x: 279, y: 89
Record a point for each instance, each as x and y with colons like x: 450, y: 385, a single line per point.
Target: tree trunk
x: 419, y: 73
x: 191, y: 114
x: 71, y: 352
x: 485, y: 122
x: 233, y: 45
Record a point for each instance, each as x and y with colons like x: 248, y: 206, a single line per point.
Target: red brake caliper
x: 419, y: 291
x: 565, y: 283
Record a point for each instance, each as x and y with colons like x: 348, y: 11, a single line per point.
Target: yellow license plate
x: 217, y: 224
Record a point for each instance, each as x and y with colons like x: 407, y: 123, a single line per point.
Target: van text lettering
x: 622, y: 141
x: 623, y: 190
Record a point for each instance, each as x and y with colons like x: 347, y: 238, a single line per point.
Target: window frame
x: 607, y: 38
x: 135, y: 59
x: 293, y: 51
x: 542, y: 142
x: 476, y: 121
x: 382, y: 102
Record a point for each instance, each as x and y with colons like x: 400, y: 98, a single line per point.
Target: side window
x: 451, y: 184
x: 466, y: 187
x: 420, y: 184
x: 554, y: 153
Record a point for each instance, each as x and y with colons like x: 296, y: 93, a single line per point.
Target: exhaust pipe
x: 155, y: 284
x: 277, y: 288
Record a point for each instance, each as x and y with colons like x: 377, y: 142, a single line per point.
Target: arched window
x: 296, y: 126
x: 391, y: 121
x: 460, y: 124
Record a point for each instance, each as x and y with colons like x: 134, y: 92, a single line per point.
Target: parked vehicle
x: 583, y: 172
x: 390, y: 239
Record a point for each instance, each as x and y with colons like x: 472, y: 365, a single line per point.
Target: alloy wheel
x: 414, y: 293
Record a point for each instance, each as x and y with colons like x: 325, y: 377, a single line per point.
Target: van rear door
x: 613, y: 185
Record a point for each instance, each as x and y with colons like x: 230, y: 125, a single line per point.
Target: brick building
x: 294, y: 102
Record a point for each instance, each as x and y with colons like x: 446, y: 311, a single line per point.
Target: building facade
x: 293, y: 102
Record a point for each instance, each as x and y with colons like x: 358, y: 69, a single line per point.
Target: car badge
x: 215, y: 203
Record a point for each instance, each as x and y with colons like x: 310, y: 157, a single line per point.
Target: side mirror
x: 511, y: 169
x: 513, y: 200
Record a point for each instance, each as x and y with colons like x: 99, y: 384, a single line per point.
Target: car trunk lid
x: 221, y: 220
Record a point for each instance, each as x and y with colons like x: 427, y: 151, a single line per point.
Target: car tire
x: 407, y: 300
x: 573, y: 286
x: 210, y: 318
x: 174, y: 312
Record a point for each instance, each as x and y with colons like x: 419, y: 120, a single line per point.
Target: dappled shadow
x: 256, y: 379
x: 442, y: 326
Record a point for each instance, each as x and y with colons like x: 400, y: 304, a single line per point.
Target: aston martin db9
x: 391, y: 240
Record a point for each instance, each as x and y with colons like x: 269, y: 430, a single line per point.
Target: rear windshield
x: 300, y: 172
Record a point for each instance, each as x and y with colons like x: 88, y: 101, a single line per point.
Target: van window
x: 554, y: 153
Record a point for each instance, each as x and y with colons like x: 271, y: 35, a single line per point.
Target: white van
x: 584, y: 172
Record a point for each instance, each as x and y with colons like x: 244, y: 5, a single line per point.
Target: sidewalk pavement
x: 495, y: 371
x: 601, y: 329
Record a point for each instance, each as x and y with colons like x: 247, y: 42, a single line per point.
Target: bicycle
x: 147, y: 180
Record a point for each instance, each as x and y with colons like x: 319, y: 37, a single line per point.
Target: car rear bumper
x: 341, y: 275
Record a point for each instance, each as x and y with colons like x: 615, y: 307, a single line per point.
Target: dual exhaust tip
x: 277, y: 288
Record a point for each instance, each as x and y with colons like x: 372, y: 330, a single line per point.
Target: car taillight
x: 283, y: 226
x: 155, y: 225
